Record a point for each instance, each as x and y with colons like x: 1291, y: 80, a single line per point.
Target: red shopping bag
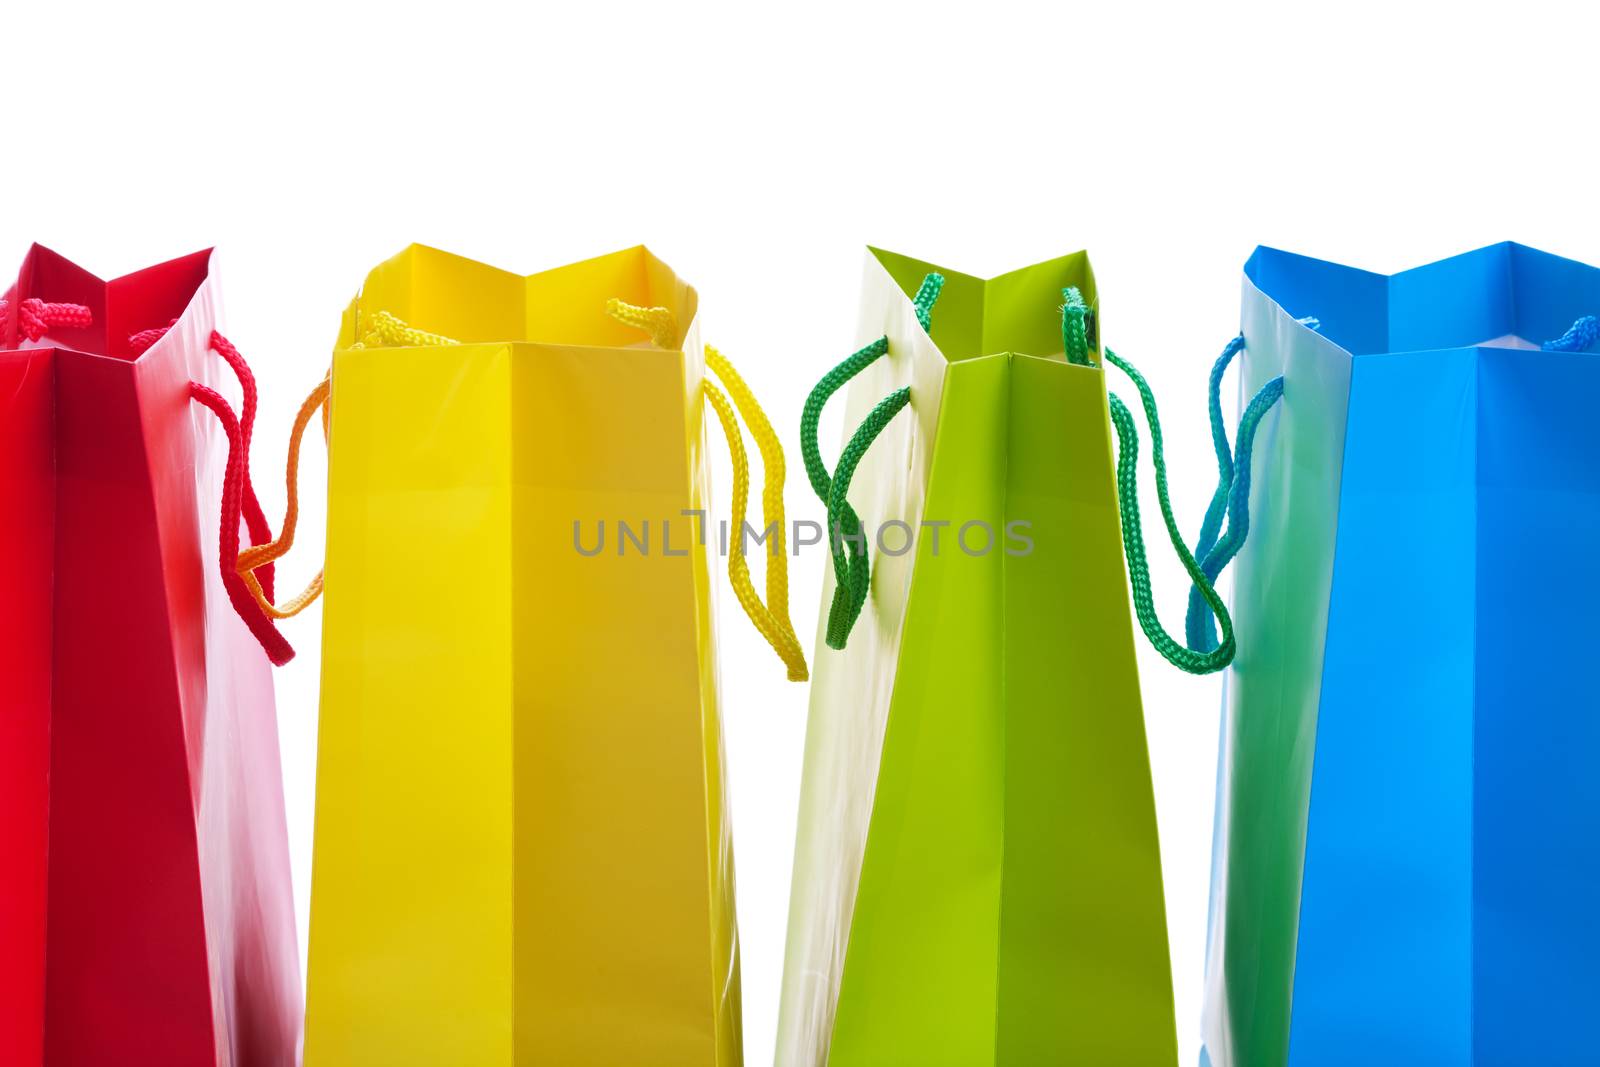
x: 146, y: 914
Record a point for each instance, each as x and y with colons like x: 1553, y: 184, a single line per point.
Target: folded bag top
x: 1003, y: 319
x: 153, y: 332
x: 1502, y: 296
x: 1009, y: 313
x: 977, y: 873
x: 470, y: 302
x: 628, y: 300
x: 1407, y: 744
x: 140, y: 792
x: 114, y: 313
x: 995, y: 319
x: 521, y: 824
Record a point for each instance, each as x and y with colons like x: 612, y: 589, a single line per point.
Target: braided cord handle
x: 235, y: 489
x: 247, y: 574
x: 1211, y: 528
x: 841, y: 516
x: 382, y: 330
x: 1232, y: 496
x: 255, y: 520
x: 771, y: 619
x: 36, y: 317
x: 1075, y: 316
x: 263, y: 555
x: 847, y: 543
x: 1580, y: 337
x: 1180, y: 656
x: 854, y: 579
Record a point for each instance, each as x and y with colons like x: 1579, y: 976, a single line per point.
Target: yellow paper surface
x: 522, y: 855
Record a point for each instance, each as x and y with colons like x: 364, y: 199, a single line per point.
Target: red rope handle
x: 36, y: 317
x: 238, y: 495
x: 255, y: 519
x: 145, y: 338
x: 276, y: 646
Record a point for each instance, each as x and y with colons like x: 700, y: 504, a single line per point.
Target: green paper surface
x: 977, y: 875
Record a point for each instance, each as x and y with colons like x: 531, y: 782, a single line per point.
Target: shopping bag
x: 977, y: 874
x: 146, y: 914
x: 522, y: 848
x: 1403, y: 867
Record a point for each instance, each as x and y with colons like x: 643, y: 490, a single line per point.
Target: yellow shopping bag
x: 522, y: 849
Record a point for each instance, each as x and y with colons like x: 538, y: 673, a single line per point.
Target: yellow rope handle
x: 660, y: 323
x: 775, y: 627
x: 383, y: 330
x: 771, y: 618
x: 772, y: 514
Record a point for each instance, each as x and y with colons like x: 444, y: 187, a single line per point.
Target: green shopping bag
x: 977, y: 876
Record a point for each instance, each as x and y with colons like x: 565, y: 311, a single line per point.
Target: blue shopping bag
x: 1405, y: 868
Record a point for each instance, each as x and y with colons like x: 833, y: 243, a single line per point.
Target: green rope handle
x: 1075, y: 316
x: 1075, y: 327
x: 1179, y: 655
x: 854, y: 581
x: 851, y: 568
x: 822, y: 482
x: 927, y: 295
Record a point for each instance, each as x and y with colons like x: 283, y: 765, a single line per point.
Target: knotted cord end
x: 36, y: 317
x: 927, y: 296
x: 390, y: 331
x: 659, y: 322
x: 1580, y: 337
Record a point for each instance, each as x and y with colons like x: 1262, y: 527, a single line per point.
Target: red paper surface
x: 146, y: 914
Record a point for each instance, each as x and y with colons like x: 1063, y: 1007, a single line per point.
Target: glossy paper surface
x: 141, y: 806
x: 1405, y: 875
x: 977, y: 875
x: 522, y: 855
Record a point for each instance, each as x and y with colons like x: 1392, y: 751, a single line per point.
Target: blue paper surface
x: 1412, y: 728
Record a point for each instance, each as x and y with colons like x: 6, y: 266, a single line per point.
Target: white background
x: 757, y: 148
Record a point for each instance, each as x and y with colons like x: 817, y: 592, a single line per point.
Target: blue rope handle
x: 1232, y: 498
x: 1216, y: 548
x: 1211, y: 529
x: 1580, y: 338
